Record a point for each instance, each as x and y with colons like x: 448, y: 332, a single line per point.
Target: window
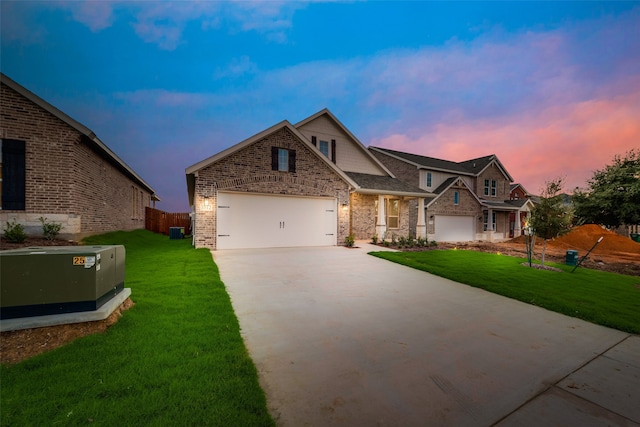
x: 493, y: 221
x: 324, y: 148
x: 493, y: 188
x: 486, y: 187
x: 456, y: 198
x: 392, y: 212
x: 283, y: 160
x: 13, y: 175
x: 429, y: 180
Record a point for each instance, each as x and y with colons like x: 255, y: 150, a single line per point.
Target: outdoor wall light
x: 345, y: 205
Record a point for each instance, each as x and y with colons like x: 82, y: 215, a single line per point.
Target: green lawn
x: 176, y: 358
x: 607, y: 299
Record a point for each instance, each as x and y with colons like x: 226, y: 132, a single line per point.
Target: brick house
x: 470, y: 200
x: 308, y: 184
x: 54, y: 167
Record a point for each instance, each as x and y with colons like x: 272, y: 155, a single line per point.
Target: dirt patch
x: 35, y: 242
x: 16, y: 346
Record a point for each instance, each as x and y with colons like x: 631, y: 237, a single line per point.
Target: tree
x: 613, y: 196
x: 551, y: 217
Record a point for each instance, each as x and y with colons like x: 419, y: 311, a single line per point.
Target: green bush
x: 14, y: 232
x: 50, y: 229
x: 350, y: 240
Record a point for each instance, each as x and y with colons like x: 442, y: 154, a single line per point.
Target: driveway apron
x: 340, y: 337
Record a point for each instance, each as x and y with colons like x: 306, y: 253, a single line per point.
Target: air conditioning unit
x: 59, y: 279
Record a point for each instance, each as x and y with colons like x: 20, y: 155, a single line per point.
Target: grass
x: 175, y: 358
x: 607, y: 299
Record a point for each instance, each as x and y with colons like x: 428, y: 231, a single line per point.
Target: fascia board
x: 342, y: 127
x: 82, y: 129
x: 392, y: 193
x: 234, y: 148
x: 500, y: 166
x: 451, y: 185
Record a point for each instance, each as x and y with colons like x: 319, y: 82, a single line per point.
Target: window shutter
x: 292, y: 160
x: 314, y: 141
x: 13, y: 175
x: 333, y: 150
x: 274, y: 158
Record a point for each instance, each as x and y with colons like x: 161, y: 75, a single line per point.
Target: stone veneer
x: 249, y: 170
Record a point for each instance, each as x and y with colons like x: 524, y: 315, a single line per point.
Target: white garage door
x: 454, y: 228
x: 260, y: 221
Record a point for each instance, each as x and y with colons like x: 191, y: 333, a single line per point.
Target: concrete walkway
x: 343, y: 338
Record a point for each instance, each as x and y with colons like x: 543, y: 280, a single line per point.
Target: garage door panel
x: 453, y: 228
x: 263, y: 221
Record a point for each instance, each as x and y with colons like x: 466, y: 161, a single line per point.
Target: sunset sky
x: 551, y: 88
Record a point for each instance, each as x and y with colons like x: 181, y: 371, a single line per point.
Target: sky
x: 551, y: 88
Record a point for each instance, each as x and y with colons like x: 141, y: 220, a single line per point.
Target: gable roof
x: 343, y: 128
x: 191, y: 170
x: 448, y: 183
x: 90, y: 137
x: 472, y: 167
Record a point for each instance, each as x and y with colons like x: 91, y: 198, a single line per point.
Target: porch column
x: 490, y: 227
x: 381, y: 226
x: 517, y: 231
x: 421, y: 226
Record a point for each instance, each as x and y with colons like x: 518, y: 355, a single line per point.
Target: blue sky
x: 551, y: 88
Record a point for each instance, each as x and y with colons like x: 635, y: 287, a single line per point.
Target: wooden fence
x: 159, y: 221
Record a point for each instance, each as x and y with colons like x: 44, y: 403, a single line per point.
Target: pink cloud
x: 569, y: 141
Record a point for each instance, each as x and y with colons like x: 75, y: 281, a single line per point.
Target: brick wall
x: 249, y: 169
x: 66, y: 181
x: 502, y: 184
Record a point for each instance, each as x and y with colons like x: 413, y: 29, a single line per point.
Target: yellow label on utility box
x: 79, y: 260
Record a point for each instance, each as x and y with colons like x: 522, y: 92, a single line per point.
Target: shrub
x: 433, y: 243
x: 350, y: 240
x: 402, y: 242
x: 393, y: 239
x: 374, y: 239
x: 14, y: 232
x: 50, y: 229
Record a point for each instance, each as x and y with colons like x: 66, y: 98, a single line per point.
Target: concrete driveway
x: 343, y: 338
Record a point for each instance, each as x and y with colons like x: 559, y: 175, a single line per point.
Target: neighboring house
x: 518, y: 192
x: 308, y: 184
x: 56, y: 168
x: 467, y: 201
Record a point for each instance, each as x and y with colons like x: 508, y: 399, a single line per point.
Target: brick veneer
x: 66, y: 180
x: 249, y: 170
x: 363, y: 215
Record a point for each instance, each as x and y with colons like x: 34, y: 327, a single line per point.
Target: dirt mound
x: 582, y: 238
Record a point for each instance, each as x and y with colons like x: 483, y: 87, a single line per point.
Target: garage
x: 454, y: 228
x: 266, y: 221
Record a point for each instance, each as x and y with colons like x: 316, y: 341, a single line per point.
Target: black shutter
x: 314, y: 141
x: 333, y: 150
x: 274, y: 158
x: 292, y: 160
x: 13, y: 175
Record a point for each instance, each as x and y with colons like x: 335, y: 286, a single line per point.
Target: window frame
x: 386, y: 213
x: 323, y: 146
x: 456, y: 198
x: 429, y: 180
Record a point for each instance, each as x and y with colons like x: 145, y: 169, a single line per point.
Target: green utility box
x: 572, y: 258
x: 635, y: 237
x: 176, y: 233
x: 59, y: 279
